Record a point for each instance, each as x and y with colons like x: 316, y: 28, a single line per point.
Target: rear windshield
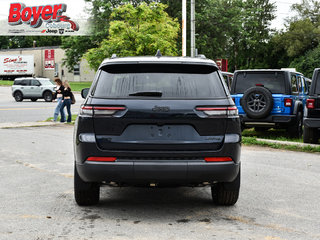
x: 172, y: 81
x: 274, y: 81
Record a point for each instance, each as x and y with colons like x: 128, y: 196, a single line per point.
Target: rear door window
x: 25, y: 82
x: 171, y: 80
x: 274, y: 81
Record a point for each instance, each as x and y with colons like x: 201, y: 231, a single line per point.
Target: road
x: 28, y: 111
x: 279, y: 197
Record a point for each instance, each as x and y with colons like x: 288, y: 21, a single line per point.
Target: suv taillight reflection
x: 90, y: 110
x: 219, y: 111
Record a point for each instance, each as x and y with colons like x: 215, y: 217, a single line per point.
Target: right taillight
x: 219, y: 111
x: 310, y: 103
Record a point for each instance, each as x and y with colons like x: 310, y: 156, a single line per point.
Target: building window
x: 56, y: 70
x: 76, y: 69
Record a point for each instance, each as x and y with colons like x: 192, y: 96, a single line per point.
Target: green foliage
x: 308, y: 62
x: 135, y: 31
x: 8, y: 42
x: 234, y: 29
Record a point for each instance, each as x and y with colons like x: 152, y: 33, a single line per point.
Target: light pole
x: 193, y: 28
x: 184, y: 28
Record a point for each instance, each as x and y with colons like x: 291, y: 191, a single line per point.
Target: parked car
x: 157, y: 121
x: 227, y: 78
x: 33, y: 88
x: 311, y: 119
x: 270, y: 98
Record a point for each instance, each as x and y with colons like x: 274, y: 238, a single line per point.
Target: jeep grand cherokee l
x: 270, y: 98
x: 157, y: 121
x: 311, y: 120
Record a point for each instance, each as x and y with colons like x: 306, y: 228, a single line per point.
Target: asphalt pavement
x: 279, y: 197
x: 28, y: 111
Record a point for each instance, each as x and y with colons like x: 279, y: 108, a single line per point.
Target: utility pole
x: 184, y: 28
x: 193, y: 30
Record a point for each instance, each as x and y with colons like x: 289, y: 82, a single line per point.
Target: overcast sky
x: 75, y: 9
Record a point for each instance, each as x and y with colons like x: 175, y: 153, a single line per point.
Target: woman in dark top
x: 66, y: 100
x: 59, y: 95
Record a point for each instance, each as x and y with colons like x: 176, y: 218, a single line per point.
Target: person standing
x: 66, y: 99
x: 59, y: 95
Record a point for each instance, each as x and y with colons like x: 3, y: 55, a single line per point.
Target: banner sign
x: 222, y: 64
x: 50, y: 19
x: 49, y: 59
x: 16, y: 64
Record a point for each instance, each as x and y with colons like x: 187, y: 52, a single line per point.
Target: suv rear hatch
x: 159, y: 107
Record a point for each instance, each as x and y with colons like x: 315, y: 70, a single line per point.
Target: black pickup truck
x: 311, y: 119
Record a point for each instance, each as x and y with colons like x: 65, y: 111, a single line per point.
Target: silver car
x: 33, y: 88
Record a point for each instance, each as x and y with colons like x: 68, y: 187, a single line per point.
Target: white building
x: 48, y: 63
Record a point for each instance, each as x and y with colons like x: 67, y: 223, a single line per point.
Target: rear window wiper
x: 147, y: 94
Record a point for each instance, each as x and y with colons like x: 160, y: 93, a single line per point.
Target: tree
x: 235, y: 29
x: 139, y: 30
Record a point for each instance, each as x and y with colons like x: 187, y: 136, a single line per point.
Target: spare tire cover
x: 257, y: 102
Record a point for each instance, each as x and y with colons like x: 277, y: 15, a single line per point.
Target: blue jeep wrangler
x: 270, y: 98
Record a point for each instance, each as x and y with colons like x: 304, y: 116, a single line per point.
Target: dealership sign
x: 49, y: 59
x: 40, y: 20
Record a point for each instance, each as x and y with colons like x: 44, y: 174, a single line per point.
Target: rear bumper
x: 287, y: 119
x: 312, y: 122
x: 170, y: 167
x: 158, y: 172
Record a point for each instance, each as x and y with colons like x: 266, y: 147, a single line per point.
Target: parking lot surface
x: 279, y: 197
x: 28, y: 111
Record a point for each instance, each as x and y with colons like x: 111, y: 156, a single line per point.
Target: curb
x: 288, y: 143
x: 28, y: 124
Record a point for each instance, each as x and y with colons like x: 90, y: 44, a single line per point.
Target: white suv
x: 33, y: 88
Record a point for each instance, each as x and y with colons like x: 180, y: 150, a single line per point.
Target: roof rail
x: 202, y: 56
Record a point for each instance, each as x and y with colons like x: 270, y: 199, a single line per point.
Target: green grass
x: 254, y: 141
x: 73, y: 118
x: 75, y: 86
x: 78, y: 86
x: 274, y: 134
x: 6, y: 83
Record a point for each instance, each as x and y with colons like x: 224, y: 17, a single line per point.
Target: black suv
x: 270, y: 98
x: 311, y: 118
x: 157, y: 121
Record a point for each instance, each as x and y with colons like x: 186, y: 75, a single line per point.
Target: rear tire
x: 18, y: 96
x: 48, y: 97
x: 295, y: 131
x: 226, y: 193
x: 310, y: 135
x: 85, y: 193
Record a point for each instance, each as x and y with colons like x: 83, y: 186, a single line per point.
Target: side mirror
x: 85, y: 92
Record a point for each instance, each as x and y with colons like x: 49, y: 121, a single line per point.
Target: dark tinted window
x: 317, y: 85
x: 173, y: 81
x: 274, y: 81
x: 24, y: 82
x: 17, y: 82
x: 35, y: 83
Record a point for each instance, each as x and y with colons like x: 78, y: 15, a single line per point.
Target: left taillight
x: 219, y: 111
x: 288, y: 102
x: 310, y: 103
x: 98, y: 110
